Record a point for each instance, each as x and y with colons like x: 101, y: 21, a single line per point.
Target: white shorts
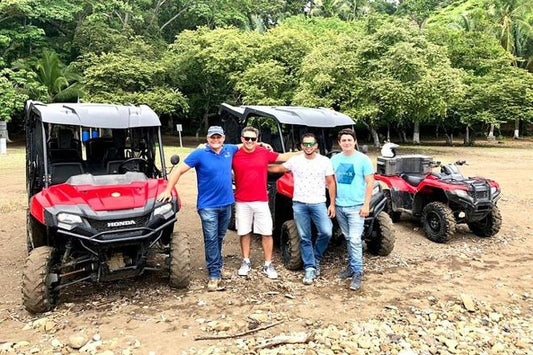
x: 256, y: 214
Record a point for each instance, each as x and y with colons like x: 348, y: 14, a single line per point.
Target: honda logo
x: 121, y: 223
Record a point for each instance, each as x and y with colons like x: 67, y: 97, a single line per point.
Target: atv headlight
x: 461, y: 193
x: 68, y: 221
x: 494, y: 191
x: 163, y: 210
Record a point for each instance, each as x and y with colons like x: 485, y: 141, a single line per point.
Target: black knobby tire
x: 232, y: 226
x: 290, y: 246
x: 38, y: 294
x: 383, y: 236
x: 180, y: 260
x: 438, y: 222
x: 394, y: 215
x: 488, y: 226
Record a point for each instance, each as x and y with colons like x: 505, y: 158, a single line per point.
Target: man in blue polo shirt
x: 215, y: 196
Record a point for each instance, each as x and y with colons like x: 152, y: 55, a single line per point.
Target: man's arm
x: 173, y: 180
x: 286, y: 156
x: 332, y: 189
x: 277, y: 168
x: 365, y: 210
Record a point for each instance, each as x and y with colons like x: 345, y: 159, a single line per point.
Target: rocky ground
x: 469, y: 296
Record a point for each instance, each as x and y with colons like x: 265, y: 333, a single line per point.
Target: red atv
x: 93, y: 176
x: 440, y: 199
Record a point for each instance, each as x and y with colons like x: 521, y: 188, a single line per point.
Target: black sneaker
x: 346, y: 273
x: 356, y: 282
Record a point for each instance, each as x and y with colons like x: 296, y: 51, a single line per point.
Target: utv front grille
x: 118, y: 224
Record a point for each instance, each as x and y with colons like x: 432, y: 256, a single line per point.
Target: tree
x: 62, y: 82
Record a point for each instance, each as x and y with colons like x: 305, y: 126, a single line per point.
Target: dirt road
x: 419, y: 282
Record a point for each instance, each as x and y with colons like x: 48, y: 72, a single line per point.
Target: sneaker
x: 245, y: 268
x: 215, y: 285
x: 270, y: 272
x: 356, y: 282
x: 346, y: 273
x: 309, y: 276
x: 317, y: 270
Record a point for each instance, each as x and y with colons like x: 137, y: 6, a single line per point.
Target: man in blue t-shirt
x: 355, y: 181
x: 215, y: 196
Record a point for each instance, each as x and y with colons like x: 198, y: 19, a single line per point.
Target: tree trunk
x: 516, y: 128
x: 388, y: 132
x: 467, y: 136
x: 416, y: 133
x: 375, y: 137
x: 491, y: 137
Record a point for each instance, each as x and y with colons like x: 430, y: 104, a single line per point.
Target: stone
x: 56, y: 343
x: 21, y: 344
x: 76, y: 341
x: 260, y: 317
x: 468, y: 302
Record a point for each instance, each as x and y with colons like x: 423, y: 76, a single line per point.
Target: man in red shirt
x: 250, y: 165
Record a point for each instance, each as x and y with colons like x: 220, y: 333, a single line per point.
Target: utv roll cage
x: 64, y: 140
x: 282, y: 126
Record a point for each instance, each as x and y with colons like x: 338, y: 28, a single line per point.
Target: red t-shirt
x: 251, y: 171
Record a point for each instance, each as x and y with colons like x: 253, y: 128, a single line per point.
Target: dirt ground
x: 144, y: 315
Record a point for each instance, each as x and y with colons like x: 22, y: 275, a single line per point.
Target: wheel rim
x: 434, y: 222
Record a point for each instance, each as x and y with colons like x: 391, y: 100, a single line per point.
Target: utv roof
x: 96, y: 115
x: 295, y: 115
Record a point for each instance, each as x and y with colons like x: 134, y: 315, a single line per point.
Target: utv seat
x: 61, y: 172
x: 413, y: 179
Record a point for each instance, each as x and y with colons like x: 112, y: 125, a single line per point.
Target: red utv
x: 93, y: 173
x: 282, y: 127
x: 440, y: 199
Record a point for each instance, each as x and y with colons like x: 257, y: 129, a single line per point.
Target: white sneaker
x: 270, y: 272
x: 245, y: 268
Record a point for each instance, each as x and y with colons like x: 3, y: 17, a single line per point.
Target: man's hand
x: 164, y: 196
x: 266, y: 145
x: 364, y: 211
x: 331, y: 210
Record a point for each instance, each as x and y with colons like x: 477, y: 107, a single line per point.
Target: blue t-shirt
x: 213, y: 175
x: 350, y: 172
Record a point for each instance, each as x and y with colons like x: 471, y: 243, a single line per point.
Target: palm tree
x: 515, y: 33
x: 61, y: 82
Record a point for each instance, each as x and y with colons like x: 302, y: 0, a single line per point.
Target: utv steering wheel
x: 140, y: 166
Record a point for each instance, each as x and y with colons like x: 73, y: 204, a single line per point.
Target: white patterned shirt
x: 309, y: 177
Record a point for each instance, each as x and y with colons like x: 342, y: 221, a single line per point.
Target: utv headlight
x: 163, y: 210
x: 494, y: 191
x: 68, y: 221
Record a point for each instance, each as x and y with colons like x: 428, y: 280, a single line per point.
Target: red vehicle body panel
x: 98, y: 197
x: 285, y: 185
x: 395, y: 182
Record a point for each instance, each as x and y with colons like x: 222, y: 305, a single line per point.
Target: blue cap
x: 215, y: 130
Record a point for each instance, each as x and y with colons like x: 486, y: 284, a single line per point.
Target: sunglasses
x: 248, y: 139
x: 308, y: 144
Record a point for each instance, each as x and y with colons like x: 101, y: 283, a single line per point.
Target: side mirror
x: 175, y: 159
x: 364, y: 149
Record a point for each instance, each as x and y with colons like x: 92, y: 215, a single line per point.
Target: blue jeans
x: 352, y: 226
x: 214, y: 225
x: 304, y: 213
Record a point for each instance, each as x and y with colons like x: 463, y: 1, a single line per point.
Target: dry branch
x: 211, y: 337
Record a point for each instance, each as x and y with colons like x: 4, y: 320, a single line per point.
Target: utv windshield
x: 75, y: 150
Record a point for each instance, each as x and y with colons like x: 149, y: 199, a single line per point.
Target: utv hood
x: 87, y: 194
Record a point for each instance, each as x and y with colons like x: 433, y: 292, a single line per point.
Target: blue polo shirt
x: 213, y: 175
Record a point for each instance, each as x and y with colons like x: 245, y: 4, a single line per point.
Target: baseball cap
x: 215, y: 130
